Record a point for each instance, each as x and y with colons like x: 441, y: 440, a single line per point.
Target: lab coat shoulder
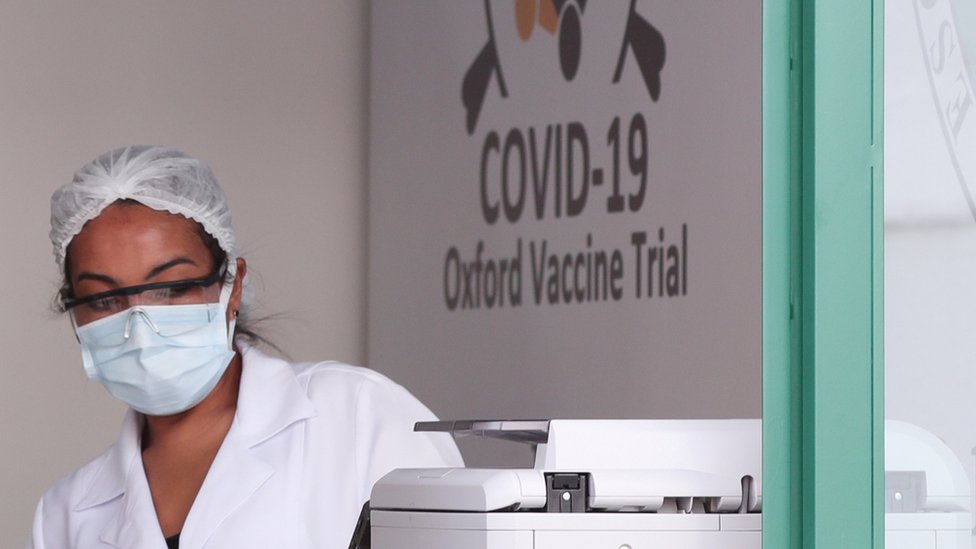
x: 382, y: 414
x: 311, y: 437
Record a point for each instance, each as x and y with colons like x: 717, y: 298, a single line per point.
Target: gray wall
x: 696, y: 355
x: 271, y: 94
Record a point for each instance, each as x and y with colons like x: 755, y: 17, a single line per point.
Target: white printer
x: 630, y: 484
x: 685, y: 484
x: 927, y: 496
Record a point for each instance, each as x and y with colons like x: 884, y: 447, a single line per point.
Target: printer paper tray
x: 527, y: 530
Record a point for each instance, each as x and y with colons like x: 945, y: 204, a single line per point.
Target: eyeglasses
x: 85, y: 310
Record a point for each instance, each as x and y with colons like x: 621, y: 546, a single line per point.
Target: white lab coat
x: 306, y: 445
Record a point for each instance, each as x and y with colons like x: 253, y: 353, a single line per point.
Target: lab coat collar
x: 270, y: 399
x: 235, y: 475
x: 121, y: 476
x: 136, y: 524
x: 108, y: 482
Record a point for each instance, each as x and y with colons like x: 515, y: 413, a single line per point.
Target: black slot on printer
x: 566, y: 492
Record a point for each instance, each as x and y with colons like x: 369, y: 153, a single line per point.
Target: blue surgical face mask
x: 160, y: 359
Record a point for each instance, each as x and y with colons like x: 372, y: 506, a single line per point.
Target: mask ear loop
x: 225, y: 293
x: 74, y: 325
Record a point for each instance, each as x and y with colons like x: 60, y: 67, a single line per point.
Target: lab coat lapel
x: 270, y: 400
x: 122, y: 476
x: 236, y: 474
x: 137, y: 524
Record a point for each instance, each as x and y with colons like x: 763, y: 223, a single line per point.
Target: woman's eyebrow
x: 99, y: 277
x: 156, y: 271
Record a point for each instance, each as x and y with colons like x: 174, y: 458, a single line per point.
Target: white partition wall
x: 930, y: 246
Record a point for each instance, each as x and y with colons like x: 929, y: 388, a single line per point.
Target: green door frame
x: 823, y: 383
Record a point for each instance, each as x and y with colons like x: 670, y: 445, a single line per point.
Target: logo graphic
x: 951, y: 81
x: 562, y: 18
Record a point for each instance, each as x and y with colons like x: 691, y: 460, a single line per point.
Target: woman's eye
x: 163, y: 296
x: 159, y: 296
x: 175, y: 293
x: 104, y: 304
x: 179, y: 291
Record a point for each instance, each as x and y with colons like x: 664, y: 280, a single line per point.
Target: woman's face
x: 131, y: 244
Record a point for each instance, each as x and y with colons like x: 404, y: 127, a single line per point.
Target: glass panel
x: 930, y: 272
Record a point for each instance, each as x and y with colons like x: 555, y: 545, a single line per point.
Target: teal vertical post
x: 842, y: 416
x: 822, y: 274
x: 782, y: 518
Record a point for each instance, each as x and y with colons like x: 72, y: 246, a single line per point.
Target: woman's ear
x: 234, y: 305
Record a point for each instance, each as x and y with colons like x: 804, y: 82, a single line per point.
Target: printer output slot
x: 567, y: 492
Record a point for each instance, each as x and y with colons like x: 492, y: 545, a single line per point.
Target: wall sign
x: 564, y: 205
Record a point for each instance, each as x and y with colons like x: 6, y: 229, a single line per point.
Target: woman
x: 223, y: 445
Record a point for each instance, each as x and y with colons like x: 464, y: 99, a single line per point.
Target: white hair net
x: 161, y: 178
